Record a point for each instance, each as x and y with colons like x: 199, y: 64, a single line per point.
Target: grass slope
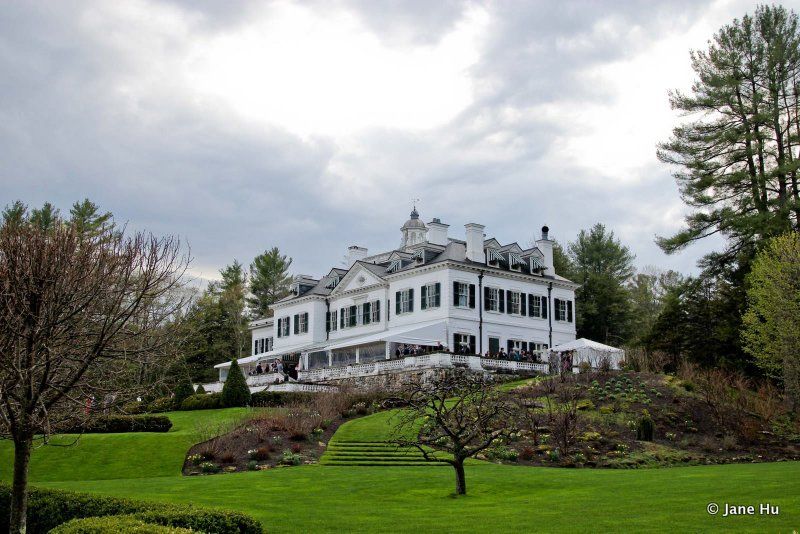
x: 418, y: 499
x: 125, y: 455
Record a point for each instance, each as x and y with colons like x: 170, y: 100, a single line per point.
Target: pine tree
x: 85, y: 216
x: 269, y: 281
x: 737, y: 158
x: 235, y: 392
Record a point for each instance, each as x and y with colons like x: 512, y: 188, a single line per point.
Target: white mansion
x: 470, y: 296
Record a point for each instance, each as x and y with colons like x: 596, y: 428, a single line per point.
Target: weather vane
x: 414, y: 203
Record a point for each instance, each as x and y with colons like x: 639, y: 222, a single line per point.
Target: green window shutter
x: 423, y: 294
x: 486, y: 293
x: 367, y: 311
x: 411, y: 300
x: 377, y: 310
x: 508, y: 301
x: 306, y: 318
x: 341, y: 318
x: 296, y: 323
x: 438, y: 297
x: 327, y: 321
x: 397, y: 303
x: 279, y: 328
x: 501, y: 300
x: 472, y: 344
x: 455, y: 293
x: 523, y: 303
x: 569, y: 311
x: 531, y: 306
x: 472, y: 296
x: 556, y: 309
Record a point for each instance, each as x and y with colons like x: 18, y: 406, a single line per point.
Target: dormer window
x: 395, y: 266
x: 332, y: 282
x: 419, y: 256
x: 535, y: 264
x: 515, y: 261
x: 493, y: 258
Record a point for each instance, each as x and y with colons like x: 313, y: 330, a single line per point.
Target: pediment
x: 491, y: 243
x: 513, y: 247
x: 357, y: 277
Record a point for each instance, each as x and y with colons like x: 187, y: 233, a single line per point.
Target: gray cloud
x: 70, y: 129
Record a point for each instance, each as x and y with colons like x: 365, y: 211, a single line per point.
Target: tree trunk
x: 19, y: 492
x: 461, y: 478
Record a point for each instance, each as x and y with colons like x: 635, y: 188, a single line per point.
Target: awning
x: 272, y: 354
x: 584, y: 343
x: 418, y: 334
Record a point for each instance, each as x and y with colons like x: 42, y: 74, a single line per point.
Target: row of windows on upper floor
x: 494, y: 300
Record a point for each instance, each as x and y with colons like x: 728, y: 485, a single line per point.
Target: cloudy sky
x: 310, y: 126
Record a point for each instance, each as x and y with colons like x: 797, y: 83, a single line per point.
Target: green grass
x: 125, y: 455
x: 419, y: 499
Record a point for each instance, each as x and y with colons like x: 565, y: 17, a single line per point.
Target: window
x: 537, y: 346
x: 563, y: 310
x: 352, y: 316
x: 304, y: 323
x: 463, y: 344
x: 376, y: 311
x: 535, y: 305
x: 270, y: 344
x: 283, y: 327
x: 404, y: 301
x: 514, y: 303
x: 366, y: 314
x: 491, y: 299
x: 463, y: 295
x: 333, y: 321
x: 431, y: 296
x: 494, y: 345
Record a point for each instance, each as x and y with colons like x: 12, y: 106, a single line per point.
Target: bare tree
x: 561, y: 406
x: 84, y: 323
x: 458, y: 412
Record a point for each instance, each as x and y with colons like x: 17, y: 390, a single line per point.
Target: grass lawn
x: 418, y: 499
x: 125, y: 455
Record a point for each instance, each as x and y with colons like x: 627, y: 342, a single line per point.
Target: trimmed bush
x: 200, y: 390
x: 182, y: 391
x: 161, y: 404
x: 645, y: 427
x: 114, y: 424
x: 202, y: 402
x: 49, y: 508
x: 120, y: 524
x: 235, y: 392
x: 265, y: 398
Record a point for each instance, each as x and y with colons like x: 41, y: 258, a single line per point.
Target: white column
x: 357, y: 354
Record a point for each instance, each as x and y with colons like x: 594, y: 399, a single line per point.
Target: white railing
x: 264, y: 379
x: 425, y: 361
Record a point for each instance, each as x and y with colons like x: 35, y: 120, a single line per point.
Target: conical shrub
x: 235, y: 391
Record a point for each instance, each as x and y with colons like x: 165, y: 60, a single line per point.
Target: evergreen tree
x: 183, y: 390
x: 85, y: 216
x: 45, y: 217
x: 200, y: 390
x: 737, y: 159
x: 648, y: 291
x: 235, y: 391
x: 269, y: 281
x: 562, y: 265
x: 602, y: 266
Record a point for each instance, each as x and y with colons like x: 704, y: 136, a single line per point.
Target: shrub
x: 114, y: 424
x: 252, y: 465
x: 183, y: 390
x: 290, y: 458
x: 264, y: 399
x: 161, y: 404
x: 195, y: 459
x: 227, y: 457
x: 527, y: 454
x: 209, y: 467
x: 201, y: 402
x: 645, y: 427
x: 120, y: 524
x: 235, y: 392
x: 200, y: 390
x: 296, y: 448
x: 133, y: 408
x: 50, y: 508
x: 260, y: 454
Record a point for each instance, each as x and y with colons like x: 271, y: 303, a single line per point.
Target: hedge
x: 121, y: 524
x: 201, y: 402
x: 49, y: 508
x: 278, y: 398
x: 113, y: 424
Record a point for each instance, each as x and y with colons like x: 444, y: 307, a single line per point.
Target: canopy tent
x: 586, y: 350
x: 419, y: 334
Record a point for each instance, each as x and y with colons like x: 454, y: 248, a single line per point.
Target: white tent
x: 586, y: 350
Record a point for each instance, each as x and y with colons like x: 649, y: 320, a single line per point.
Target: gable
x: 357, y: 277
